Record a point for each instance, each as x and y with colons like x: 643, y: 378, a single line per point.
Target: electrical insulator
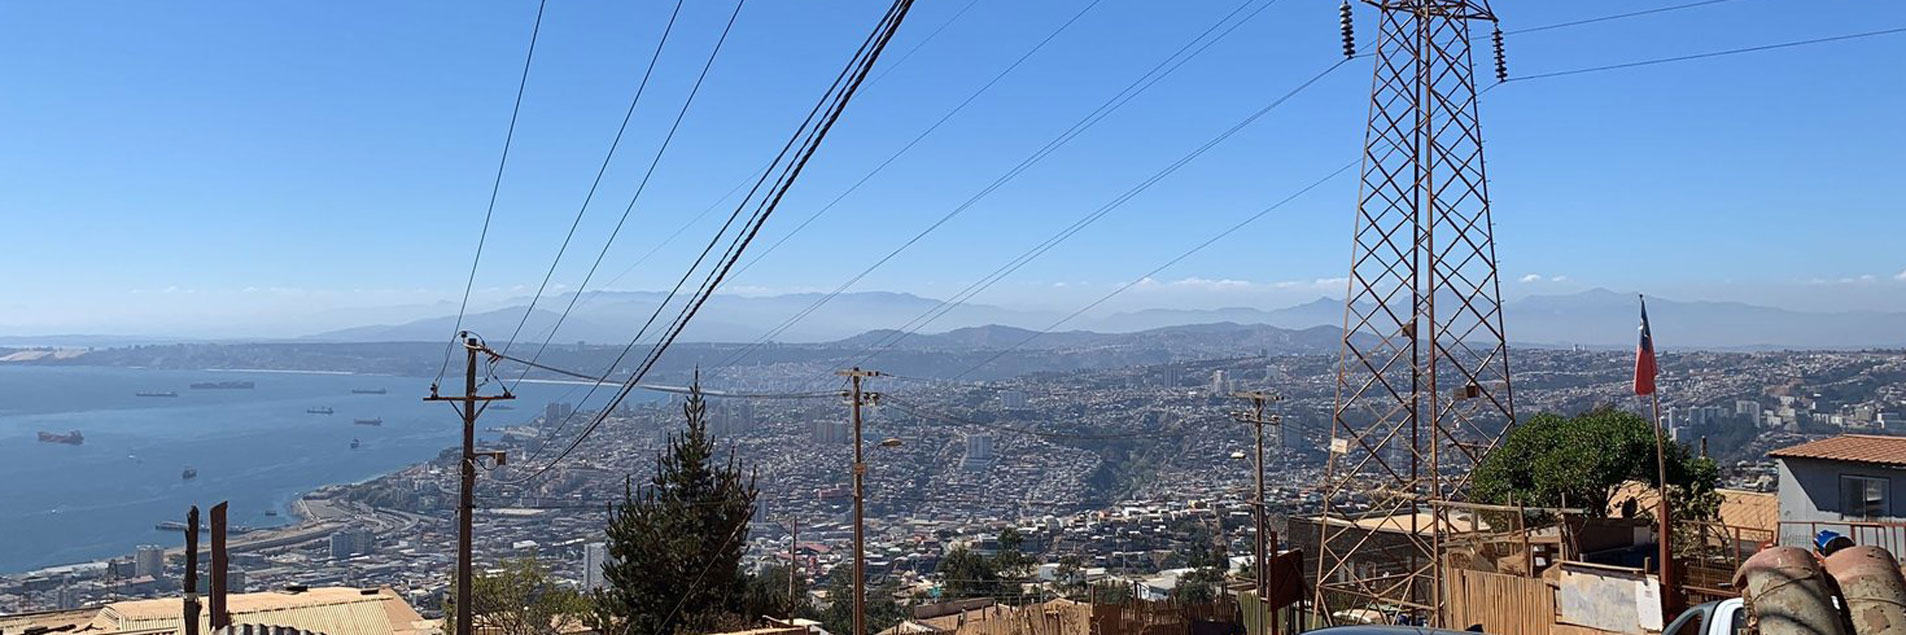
x: 1502, y: 62
x: 1349, y: 33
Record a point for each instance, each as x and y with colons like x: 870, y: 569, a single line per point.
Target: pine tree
x: 675, y: 543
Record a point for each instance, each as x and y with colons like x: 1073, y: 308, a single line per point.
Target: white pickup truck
x: 1725, y: 617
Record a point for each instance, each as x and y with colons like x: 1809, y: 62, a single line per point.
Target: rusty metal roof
x: 1858, y: 448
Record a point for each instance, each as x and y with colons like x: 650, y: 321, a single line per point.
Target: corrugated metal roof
x: 1859, y: 448
x: 332, y: 610
x: 1739, y: 508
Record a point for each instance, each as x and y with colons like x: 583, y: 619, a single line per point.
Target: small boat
x: 354, y: 444
x: 373, y: 421
x: 189, y: 474
x: 320, y: 410
x: 368, y: 391
x: 271, y: 512
x: 155, y: 393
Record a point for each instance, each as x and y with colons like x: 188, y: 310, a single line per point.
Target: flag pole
x: 1668, y: 589
x: 1670, y: 595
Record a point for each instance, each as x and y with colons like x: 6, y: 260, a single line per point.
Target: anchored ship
x: 70, y: 438
x: 223, y: 385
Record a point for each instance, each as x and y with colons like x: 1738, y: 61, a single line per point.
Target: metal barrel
x: 1789, y: 594
x: 1875, y: 592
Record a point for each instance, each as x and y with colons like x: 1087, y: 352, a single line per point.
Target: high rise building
x: 556, y: 412
x: 594, y: 555
x: 235, y: 581
x: 148, y: 560
x: 1218, y: 384
x: 979, y: 451
x: 68, y: 598
x: 352, y: 542
x: 1012, y: 399
x: 831, y: 432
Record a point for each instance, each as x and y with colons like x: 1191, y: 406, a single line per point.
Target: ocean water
x: 257, y: 448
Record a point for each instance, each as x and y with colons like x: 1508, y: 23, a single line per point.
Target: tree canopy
x: 675, y: 543
x: 521, y: 599
x: 965, y: 574
x: 1553, y: 461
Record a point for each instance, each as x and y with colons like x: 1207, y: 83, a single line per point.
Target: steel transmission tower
x: 1423, y: 381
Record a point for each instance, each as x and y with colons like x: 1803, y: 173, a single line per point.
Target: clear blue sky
x: 171, y: 166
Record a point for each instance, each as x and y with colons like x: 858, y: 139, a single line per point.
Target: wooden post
x: 221, y: 617
x: 192, y: 571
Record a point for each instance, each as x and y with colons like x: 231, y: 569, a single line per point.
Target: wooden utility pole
x: 191, y: 571
x: 794, y: 557
x: 221, y: 569
x: 1257, y: 419
x: 466, y: 504
x: 856, y: 399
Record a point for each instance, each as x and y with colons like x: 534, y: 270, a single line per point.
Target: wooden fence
x: 1166, y: 617
x: 1500, y: 603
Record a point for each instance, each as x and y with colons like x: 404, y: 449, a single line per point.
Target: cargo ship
x: 320, y: 410
x: 224, y: 385
x: 156, y: 393
x: 368, y: 391
x: 373, y: 421
x: 70, y: 438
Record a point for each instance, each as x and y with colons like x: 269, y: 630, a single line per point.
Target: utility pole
x: 466, y: 504
x: 1256, y: 418
x: 856, y: 399
x: 794, y: 556
x: 191, y: 571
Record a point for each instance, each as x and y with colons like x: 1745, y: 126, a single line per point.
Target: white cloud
x: 1901, y: 276
x: 1534, y: 277
x: 1558, y: 279
x: 1204, y: 283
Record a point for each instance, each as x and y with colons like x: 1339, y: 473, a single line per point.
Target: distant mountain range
x: 1594, y: 318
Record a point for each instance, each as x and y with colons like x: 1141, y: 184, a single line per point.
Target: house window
x: 1863, y: 497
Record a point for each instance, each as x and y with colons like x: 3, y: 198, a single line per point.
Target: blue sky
x: 266, y: 167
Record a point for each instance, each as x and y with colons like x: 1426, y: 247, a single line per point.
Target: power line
x: 660, y: 388
x: 764, y: 169
x: 947, y: 305
x: 1155, y: 270
x: 920, y: 410
x: 922, y: 136
x: 1618, y: 16
x: 1145, y: 81
x: 833, y: 103
x: 496, y: 185
x: 951, y: 302
x: 643, y: 185
x: 607, y: 157
x: 1698, y: 56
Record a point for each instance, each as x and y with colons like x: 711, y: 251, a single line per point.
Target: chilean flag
x: 1645, y: 357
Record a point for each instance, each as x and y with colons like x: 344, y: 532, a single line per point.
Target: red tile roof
x: 1859, y: 448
